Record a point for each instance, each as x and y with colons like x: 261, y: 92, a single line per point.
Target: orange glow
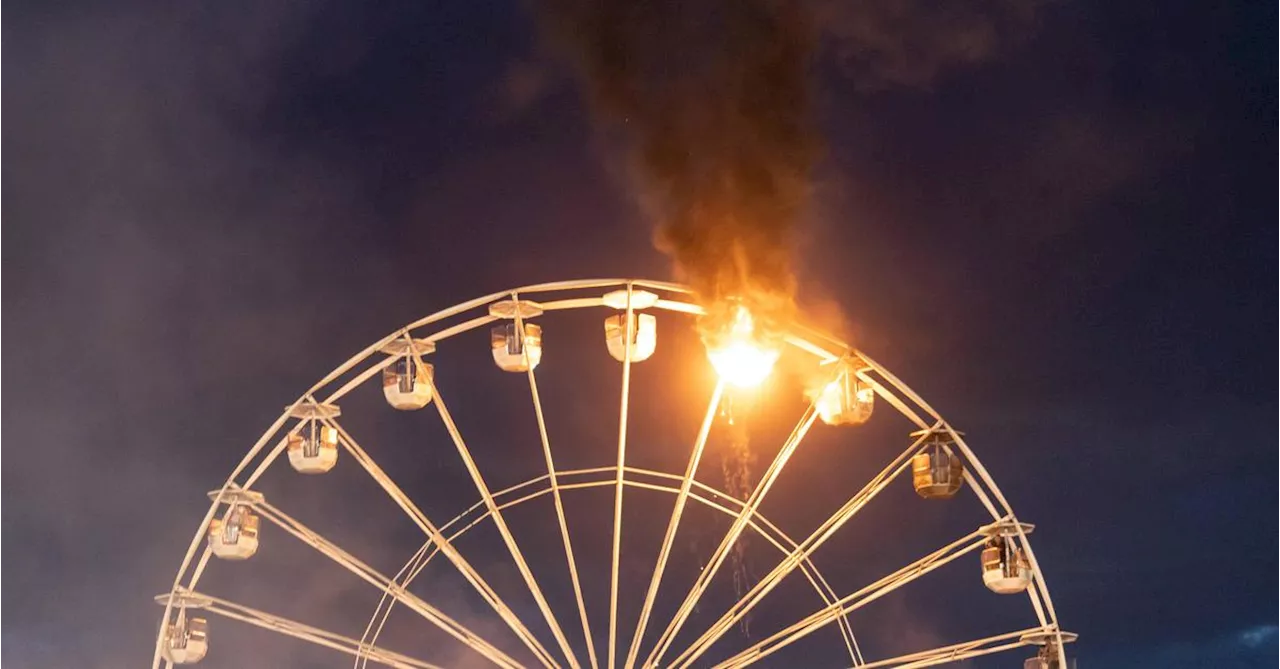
x: 844, y: 401
x: 741, y: 357
x: 830, y: 403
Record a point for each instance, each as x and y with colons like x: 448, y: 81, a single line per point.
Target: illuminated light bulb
x: 739, y: 356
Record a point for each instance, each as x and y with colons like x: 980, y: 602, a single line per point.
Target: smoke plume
x: 713, y: 99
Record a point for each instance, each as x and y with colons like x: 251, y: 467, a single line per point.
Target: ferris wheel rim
x: 825, y: 347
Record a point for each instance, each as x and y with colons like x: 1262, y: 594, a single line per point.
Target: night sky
x: 1058, y: 228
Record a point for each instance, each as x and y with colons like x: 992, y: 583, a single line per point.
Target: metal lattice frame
x: 441, y: 538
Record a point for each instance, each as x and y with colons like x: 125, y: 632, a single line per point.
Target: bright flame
x: 844, y: 401
x: 742, y: 360
x: 830, y: 403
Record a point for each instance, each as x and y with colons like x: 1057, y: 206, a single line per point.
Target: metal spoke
x: 959, y: 651
x: 674, y: 523
x: 435, y: 535
x: 735, y: 530
x: 555, y: 487
x: 429, y: 550
x: 1039, y: 590
x: 802, y: 628
x: 825, y: 531
x: 373, y: 577
x: 198, y: 539
x: 500, y: 523
x: 373, y: 629
x: 623, y: 408
x: 703, y: 494
x: 297, y: 630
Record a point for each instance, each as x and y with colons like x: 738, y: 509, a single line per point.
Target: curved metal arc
x: 985, y: 477
x: 257, y: 473
x: 757, y: 522
x: 805, y: 565
x: 550, y: 287
x: 419, y: 561
x: 1038, y: 585
x: 802, y: 552
x: 230, y: 485
x: 451, y: 553
x: 957, y: 652
x: 200, y: 532
x: 304, y: 632
x: 849, y: 603
x: 376, y: 579
x: 413, y: 569
x: 374, y: 626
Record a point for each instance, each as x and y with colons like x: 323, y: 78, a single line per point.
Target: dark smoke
x: 713, y: 98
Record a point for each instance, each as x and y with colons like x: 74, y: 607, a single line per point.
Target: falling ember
x: 736, y: 465
x: 742, y: 353
x: 736, y: 468
x: 743, y: 344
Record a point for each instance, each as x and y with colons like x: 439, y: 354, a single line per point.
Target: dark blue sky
x: 1064, y: 238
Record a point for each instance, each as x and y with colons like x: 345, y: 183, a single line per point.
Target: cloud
x: 150, y: 238
x: 1242, y: 649
x: 1262, y: 636
x: 524, y: 83
x: 884, y: 43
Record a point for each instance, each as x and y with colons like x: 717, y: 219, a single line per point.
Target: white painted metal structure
x: 612, y: 297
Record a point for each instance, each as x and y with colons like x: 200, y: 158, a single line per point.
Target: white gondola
x: 313, y: 449
x: 186, y: 640
x: 936, y: 472
x: 407, y: 384
x: 846, y: 400
x: 644, y: 336
x: 236, y: 538
x: 1005, y: 569
x: 513, y: 353
x: 1048, y: 657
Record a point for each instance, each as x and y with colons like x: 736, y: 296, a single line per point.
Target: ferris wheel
x: 676, y: 610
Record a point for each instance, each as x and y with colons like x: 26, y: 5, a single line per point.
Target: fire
x: 741, y: 354
x: 846, y: 400
x: 830, y: 402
